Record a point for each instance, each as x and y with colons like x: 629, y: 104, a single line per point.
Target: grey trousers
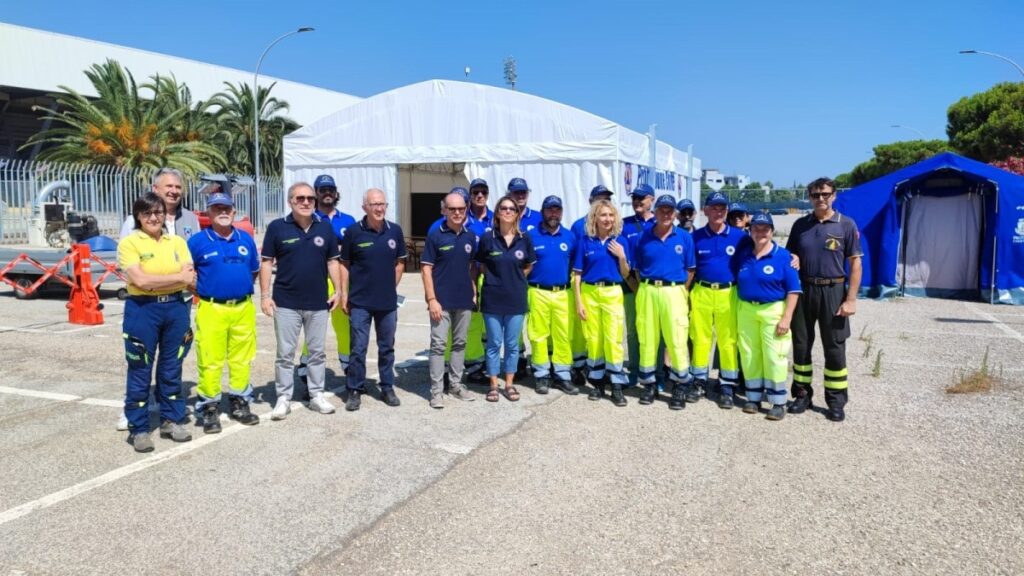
x: 287, y: 325
x: 458, y: 322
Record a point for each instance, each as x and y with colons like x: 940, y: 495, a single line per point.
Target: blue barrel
x: 101, y: 244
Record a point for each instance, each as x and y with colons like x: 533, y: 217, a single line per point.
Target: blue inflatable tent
x: 947, y: 226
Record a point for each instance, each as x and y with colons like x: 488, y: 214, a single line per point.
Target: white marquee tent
x: 427, y: 137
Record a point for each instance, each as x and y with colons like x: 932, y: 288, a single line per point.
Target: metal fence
x: 107, y: 193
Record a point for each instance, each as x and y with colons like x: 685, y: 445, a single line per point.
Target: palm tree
x: 235, y: 121
x: 122, y: 127
x: 197, y: 123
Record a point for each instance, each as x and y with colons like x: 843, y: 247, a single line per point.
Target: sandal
x: 511, y: 393
x: 492, y: 395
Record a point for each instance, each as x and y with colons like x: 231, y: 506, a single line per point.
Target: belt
x: 550, y: 288
x: 823, y: 281
x: 602, y: 283
x: 716, y: 285
x: 653, y: 282
x: 230, y: 302
x: 162, y: 298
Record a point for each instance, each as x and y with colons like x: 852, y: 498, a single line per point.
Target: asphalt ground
x: 915, y: 481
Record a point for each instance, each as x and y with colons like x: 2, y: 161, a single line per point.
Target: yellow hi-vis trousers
x: 603, y: 330
x: 764, y: 355
x: 713, y: 313
x: 579, y: 342
x: 550, y: 320
x: 475, y: 339
x: 661, y: 313
x: 340, y: 324
x: 225, y: 333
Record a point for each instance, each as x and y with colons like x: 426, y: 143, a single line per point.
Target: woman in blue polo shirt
x: 506, y: 256
x: 768, y: 291
x: 601, y: 264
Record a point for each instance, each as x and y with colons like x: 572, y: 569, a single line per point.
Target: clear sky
x: 780, y: 91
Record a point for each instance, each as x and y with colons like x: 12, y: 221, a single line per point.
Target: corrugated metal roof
x: 40, y: 60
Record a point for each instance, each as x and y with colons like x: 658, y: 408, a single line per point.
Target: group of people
x: 491, y: 279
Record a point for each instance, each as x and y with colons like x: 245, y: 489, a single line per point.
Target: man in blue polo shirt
x: 664, y: 261
x: 305, y: 249
x: 552, y: 310
x: 480, y: 221
x: 478, y: 210
x: 519, y: 190
x: 450, y: 295
x: 226, y: 264
x: 632, y: 227
x: 686, y: 212
x: 373, y: 260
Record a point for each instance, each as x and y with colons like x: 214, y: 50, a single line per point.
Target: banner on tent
x: 663, y: 181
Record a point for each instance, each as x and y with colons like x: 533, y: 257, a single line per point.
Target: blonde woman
x: 602, y: 262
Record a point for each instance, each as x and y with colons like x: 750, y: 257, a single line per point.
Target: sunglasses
x: 304, y: 199
x: 820, y: 195
x: 508, y: 208
x: 456, y: 209
x: 478, y: 192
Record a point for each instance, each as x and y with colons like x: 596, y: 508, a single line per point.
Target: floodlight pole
x: 994, y: 55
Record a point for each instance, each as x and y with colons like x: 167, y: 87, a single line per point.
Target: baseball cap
x: 518, y: 185
x: 478, y: 182
x: 737, y: 207
x: 551, y: 202
x: 716, y: 199
x: 685, y: 204
x: 461, y: 192
x: 646, y: 190
x: 665, y: 200
x: 219, y: 199
x: 324, y: 180
x: 599, y: 190
x: 762, y: 218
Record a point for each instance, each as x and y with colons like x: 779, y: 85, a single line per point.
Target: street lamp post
x: 911, y: 128
x: 256, y: 105
x: 994, y: 55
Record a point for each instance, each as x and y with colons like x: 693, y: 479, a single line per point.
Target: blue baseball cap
x: 600, y: 190
x: 461, y: 192
x: 716, y: 199
x: 518, y: 185
x: 762, y: 218
x: 665, y: 200
x: 685, y: 204
x: 551, y: 202
x: 323, y: 181
x: 219, y: 199
x: 478, y: 182
x: 646, y: 190
x: 737, y: 207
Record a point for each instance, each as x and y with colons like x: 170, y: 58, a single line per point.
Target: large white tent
x: 424, y: 138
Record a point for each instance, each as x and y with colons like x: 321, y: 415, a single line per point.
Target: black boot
x: 598, y: 392
x: 692, y: 391
x: 579, y: 377
x: 240, y: 411
x: 543, y: 385
x: 802, y: 394
x: 567, y: 388
x: 678, y: 399
x: 211, y: 419
x: 649, y: 394
x: 725, y: 401
x: 617, y: 396
x: 836, y: 401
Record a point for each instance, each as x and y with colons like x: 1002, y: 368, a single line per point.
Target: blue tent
x: 947, y: 226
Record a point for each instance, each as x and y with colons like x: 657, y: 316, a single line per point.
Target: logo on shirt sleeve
x: 679, y: 248
x: 768, y: 269
x: 318, y: 240
x: 730, y: 250
x: 391, y: 243
x: 519, y: 254
x: 564, y: 247
x: 243, y: 250
x: 468, y: 248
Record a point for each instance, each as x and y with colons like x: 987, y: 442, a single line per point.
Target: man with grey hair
x: 305, y: 249
x: 450, y: 293
x: 373, y: 260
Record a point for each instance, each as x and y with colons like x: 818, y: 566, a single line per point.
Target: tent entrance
x: 421, y: 187
x: 940, y: 250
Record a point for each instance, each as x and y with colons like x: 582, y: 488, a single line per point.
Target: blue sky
x: 780, y: 91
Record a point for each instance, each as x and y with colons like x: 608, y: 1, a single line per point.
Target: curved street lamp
x: 256, y: 103
x: 919, y: 133
x: 994, y: 55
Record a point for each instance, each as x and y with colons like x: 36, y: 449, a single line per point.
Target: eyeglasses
x: 377, y: 205
x: 507, y: 208
x: 478, y: 192
x: 456, y: 209
x: 820, y: 195
x: 153, y: 214
x: 304, y: 199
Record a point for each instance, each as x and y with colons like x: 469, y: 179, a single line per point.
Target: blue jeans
x: 386, y: 322
x: 503, y: 329
x: 155, y: 333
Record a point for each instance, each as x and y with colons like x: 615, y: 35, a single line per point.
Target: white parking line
x: 999, y: 323
x: 42, y: 331
x: 40, y: 394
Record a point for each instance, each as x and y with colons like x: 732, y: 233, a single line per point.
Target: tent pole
x: 995, y: 248
x: 903, y: 246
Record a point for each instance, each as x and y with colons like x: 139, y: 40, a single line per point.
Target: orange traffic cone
x: 84, y: 306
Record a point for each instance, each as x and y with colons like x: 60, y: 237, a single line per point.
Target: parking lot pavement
x: 916, y: 480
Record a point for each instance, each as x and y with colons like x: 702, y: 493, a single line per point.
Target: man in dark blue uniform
x: 826, y: 242
x: 373, y: 260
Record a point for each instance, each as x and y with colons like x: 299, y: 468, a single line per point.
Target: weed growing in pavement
x: 904, y: 336
x: 867, y: 349
x: 984, y: 379
x: 876, y: 370
x: 864, y: 336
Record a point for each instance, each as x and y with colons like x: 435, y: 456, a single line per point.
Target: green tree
x: 989, y: 126
x: 891, y: 157
x: 235, y: 121
x: 121, y: 127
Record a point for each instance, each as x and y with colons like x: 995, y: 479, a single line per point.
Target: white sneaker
x: 321, y: 404
x: 281, y: 409
x: 122, y: 422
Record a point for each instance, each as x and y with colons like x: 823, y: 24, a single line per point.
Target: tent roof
x: 449, y: 121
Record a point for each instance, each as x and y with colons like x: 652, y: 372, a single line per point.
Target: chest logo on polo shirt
x: 318, y: 240
x: 519, y: 254
x: 445, y: 248
x: 391, y: 243
x: 364, y: 244
x: 679, y: 248
x: 564, y: 247
x: 146, y: 256
x: 290, y: 241
x: 730, y: 250
x: 768, y: 269
x: 210, y: 255
x: 529, y: 227
x: 186, y: 231
x: 468, y: 248
x: 243, y: 250
x: 494, y: 253
x: 832, y: 243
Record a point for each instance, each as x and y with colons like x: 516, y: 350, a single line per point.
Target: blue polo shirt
x: 475, y: 226
x: 530, y: 219
x: 302, y: 255
x: 371, y: 258
x: 633, y: 227
x: 225, y: 266
x: 766, y: 279
x: 555, y: 253
x: 451, y: 256
x: 596, y: 263
x: 668, y: 259
x: 339, y: 221
x: 714, y: 251
x: 579, y: 228
x: 481, y: 225
x: 504, y: 289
